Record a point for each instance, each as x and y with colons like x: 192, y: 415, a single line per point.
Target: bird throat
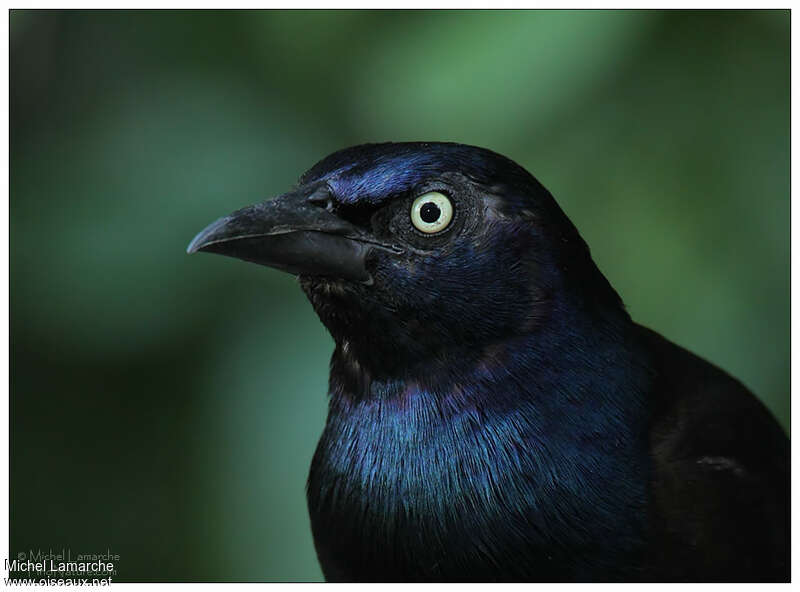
x: 464, y: 464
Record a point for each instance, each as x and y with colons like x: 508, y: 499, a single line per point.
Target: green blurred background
x: 166, y: 407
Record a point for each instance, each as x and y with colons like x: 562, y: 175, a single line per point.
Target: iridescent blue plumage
x: 374, y: 173
x: 495, y: 414
x: 487, y: 415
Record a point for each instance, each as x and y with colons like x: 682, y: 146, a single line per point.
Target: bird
x: 494, y: 413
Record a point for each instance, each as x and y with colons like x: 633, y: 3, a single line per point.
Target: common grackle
x: 494, y: 413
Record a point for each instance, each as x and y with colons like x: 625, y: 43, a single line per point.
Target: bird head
x: 411, y: 252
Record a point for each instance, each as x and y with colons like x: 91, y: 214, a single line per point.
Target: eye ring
x: 431, y: 212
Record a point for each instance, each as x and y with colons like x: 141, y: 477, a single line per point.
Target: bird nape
x: 494, y: 412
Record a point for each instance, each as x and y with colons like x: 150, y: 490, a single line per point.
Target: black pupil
x: 430, y: 212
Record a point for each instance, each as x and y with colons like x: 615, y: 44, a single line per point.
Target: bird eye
x: 431, y: 212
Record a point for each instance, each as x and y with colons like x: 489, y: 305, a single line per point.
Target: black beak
x: 296, y: 232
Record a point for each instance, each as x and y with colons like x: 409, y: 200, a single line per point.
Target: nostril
x: 356, y: 214
x: 322, y: 198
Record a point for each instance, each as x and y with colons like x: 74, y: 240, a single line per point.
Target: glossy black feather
x: 510, y: 422
x: 495, y: 414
